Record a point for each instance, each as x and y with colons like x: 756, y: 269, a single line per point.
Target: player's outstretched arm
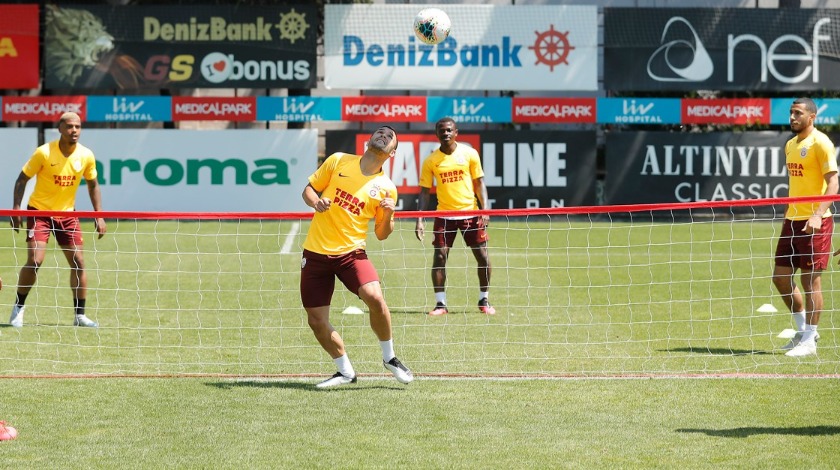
x: 20, y: 188
x: 96, y: 201
x: 422, y: 204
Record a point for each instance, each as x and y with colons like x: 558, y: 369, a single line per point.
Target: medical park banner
x: 738, y: 49
x: 167, y: 170
x: 522, y: 169
x: 172, y: 46
x: 664, y: 167
x: 490, y: 47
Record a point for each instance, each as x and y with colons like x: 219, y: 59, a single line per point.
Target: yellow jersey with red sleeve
x: 454, y: 175
x: 354, y: 201
x: 58, y: 177
x: 808, y: 162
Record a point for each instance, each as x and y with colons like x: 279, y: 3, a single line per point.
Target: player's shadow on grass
x: 407, y: 311
x: 716, y: 351
x: 753, y: 430
x: 296, y: 385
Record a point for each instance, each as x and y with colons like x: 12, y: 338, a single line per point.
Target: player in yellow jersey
x: 347, y: 191
x: 59, y: 166
x: 456, y: 170
x: 805, y: 241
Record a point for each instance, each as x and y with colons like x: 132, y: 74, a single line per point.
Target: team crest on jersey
x: 77, y: 165
x: 803, y: 152
x: 461, y: 160
x: 374, y: 191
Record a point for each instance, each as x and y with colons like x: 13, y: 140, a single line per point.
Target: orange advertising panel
x: 18, y: 46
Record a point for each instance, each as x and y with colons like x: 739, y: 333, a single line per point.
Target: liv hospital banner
x: 683, y: 49
x: 208, y: 46
x: 242, y: 170
x: 664, y: 167
x: 522, y: 47
x: 521, y: 169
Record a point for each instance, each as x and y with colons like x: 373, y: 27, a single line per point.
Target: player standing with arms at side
x: 805, y: 241
x: 459, y: 177
x: 347, y: 191
x: 60, y: 166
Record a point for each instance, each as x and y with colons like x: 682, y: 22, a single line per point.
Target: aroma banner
x: 239, y: 170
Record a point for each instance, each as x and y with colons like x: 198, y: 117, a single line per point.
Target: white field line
x: 290, y: 239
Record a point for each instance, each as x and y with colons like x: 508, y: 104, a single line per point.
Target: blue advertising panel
x: 298, y: 108
x: 469, y: 110
x: 638, y: 111
x: 129, y: 108
x: 828, y: 111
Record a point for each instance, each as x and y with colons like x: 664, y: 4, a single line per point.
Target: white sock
x: 387, y: 350
x: 440, y: 297
x: 344, y: 366
x: 483, y: 295
x: 799, y: 320
x: 810, y: 333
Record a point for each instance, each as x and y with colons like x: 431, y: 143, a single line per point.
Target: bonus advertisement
x: 150, y: 47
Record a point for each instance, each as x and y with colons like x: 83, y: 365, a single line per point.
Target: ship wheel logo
x: 551, y: 47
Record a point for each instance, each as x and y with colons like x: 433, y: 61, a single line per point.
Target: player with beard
x: 347, y: 191
x: 805, y: 241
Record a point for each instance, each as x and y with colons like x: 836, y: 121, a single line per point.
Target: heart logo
x: 219, y: 66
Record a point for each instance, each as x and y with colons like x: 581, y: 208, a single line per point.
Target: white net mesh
x: 614, y: 293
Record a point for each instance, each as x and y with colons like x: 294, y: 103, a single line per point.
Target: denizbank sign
x: 201, y: 171
x: 490, y: 47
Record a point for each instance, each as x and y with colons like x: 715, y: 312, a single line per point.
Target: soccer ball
x: 432, y: 25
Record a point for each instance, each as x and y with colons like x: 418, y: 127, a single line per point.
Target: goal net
x: 606, y: 291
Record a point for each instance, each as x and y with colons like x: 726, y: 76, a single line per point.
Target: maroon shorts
x: 66, y: 229
x: 318, y: 273
x: 472, y: 229
x: 797, y: 249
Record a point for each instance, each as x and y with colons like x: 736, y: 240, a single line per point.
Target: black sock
x: 79, y: 306
x: 20, y: 299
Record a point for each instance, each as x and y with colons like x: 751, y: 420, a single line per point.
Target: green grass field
x: 616, y: 345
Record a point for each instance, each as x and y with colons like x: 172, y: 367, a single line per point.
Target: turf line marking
x: 290, y: 238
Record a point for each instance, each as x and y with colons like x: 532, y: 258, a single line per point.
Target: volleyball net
x: 669, y: 289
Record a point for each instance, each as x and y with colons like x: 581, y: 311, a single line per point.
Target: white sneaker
x: 795, y: 341
x: 16, y: 319
x: 401, y: 372
x: 82, y: 320
x: 336, y: 380
x: 808, y: 348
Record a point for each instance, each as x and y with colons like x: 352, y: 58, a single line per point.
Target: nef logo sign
x: 721, y: 49
x: 770, y: 55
